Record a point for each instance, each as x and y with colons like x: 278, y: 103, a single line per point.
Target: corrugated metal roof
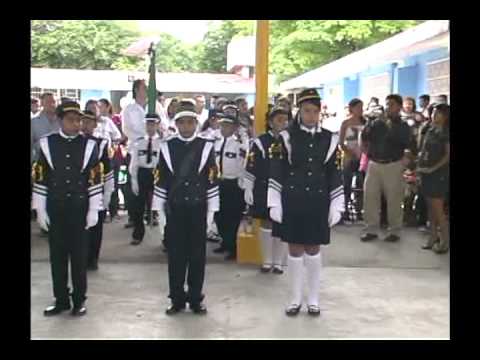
x: 415, y: 40
x: 119, y: 80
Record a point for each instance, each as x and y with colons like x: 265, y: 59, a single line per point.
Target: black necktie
x: 149, y: 151
x: 221, y: 155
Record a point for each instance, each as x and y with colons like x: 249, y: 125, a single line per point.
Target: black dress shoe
x: 56, y: 309
x: 392, y: 238
x: 79, y: 310
x: 231, y: 257
x: 313, y: 310
x: 135, y: 241
x: 277, y: 271
x: 293, y: 310
x: 368, y: 237
x: 199, y: 309
x: 173, y: 309
x: 219, y: 250
x: 128, y: 225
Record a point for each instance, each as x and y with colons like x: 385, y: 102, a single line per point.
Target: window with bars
x: 73, y: 94
x: 378, y: 86
x: 438, y: 77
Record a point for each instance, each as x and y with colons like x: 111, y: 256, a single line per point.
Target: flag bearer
x: 145, y: 156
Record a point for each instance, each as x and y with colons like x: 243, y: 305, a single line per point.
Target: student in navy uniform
x: 145, y: 156
x: 231, y: 151
x: 256, y: 186
x: 68, y: 194
x: 305, y: 194
x: 186, y: 192
x: 95, y: 233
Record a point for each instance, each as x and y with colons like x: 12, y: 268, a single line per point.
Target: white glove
x: 248, y: 196
x: 334, y: 217
x: 162, y: 220
x: 209, y: 221
x: 43, y: 219
x: 92, y: 218
x: 106, y: 200
x: 276, y: 214
x: 337, y: 206
x: 135, y: 188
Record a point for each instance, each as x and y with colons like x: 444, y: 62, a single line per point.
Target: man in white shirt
x: 200, y: 109
x: 133, y: 126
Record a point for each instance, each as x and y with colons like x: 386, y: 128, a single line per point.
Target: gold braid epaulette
x: 275, y: 151
x: 37, y: 172
x: 213, y: 173
x: 156, y: 175
x: 338, y: 159
x: 96, y: 174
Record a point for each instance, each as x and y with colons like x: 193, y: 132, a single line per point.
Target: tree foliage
x: 296, y: 46
x: 81, y: 44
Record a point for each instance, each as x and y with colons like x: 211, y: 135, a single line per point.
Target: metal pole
x: 261, y: 76
x: 249, y: 250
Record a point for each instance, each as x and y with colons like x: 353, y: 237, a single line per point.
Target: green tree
x: 173, y: 55
x: 297, y: 46
x: 211, y: 54
x: 81, y: 44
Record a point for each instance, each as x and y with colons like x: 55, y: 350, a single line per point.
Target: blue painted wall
x: 407, y: 81
x: 86, y: 95
x: 422, y: 61
x: 351, y: 88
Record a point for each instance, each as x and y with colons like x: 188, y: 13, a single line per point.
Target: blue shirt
x: 41, y: 126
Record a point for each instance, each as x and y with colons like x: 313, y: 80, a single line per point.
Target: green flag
x: 152, y: 86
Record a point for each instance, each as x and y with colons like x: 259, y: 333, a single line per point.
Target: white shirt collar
x: 312, y: 131
x: 187, y: 139
x: 153, y: 137
x: 65, y: 136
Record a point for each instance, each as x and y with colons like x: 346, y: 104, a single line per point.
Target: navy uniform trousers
x: 144, y: 198
x: 68, y: 238
x: 228, y: 218
x: 186, y: 241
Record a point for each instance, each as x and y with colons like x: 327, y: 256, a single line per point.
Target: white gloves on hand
x: 210, y: 215
x: 248, y: 196
x: 92, y: 218
x: 43, y: 219
x: 276, y: 214
x: 334, y: 217
x: 135, y: 188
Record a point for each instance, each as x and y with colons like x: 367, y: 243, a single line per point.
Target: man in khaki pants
x: 385, y: 139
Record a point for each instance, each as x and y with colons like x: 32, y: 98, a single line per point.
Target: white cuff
x: 95, y: 202
x: 39, y: 202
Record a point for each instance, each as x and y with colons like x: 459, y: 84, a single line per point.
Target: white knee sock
x: 280, y: 249
x: 295, y: 279
x: 266, y: 240
x: 313, y: 265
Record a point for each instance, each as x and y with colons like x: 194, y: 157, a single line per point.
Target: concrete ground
x: 369, y: 290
